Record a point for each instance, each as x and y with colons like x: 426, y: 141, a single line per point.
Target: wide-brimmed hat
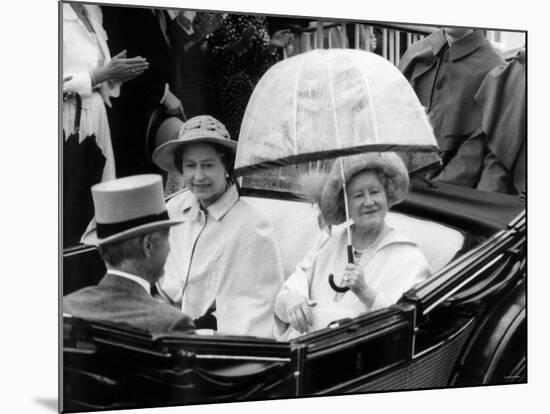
x: 199, y: 129
x: 331, y: 202
x: 127, y: 207
x: 161, y: 128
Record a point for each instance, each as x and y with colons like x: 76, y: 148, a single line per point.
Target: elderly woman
x: 386, y: 263
x: 224, y: 255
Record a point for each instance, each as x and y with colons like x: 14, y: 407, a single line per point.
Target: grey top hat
x: 203, y: 128
x: 389, y: 163
x: 127, y: 207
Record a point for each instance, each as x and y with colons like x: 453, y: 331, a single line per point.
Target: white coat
x: 227, y: 254
x: 82, y: 52
x: 395, y: 266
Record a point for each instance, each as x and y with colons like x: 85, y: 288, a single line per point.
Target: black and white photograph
x: 261, y: 206
x: 265, y: 206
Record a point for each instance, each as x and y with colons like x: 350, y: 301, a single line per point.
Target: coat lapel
x: 424, y: 57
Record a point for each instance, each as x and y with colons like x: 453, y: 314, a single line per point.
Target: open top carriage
x: 465, y: 325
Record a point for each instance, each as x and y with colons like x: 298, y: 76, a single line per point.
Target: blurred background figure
x: 502, y: 99
x: 195, y: 70
x: 144, y: 32
x: 244, y: 50
x: 446, y: 70
x: 90, y: 79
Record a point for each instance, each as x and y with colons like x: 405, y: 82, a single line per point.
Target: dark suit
x: 117, y: 299
x: 138, y: 31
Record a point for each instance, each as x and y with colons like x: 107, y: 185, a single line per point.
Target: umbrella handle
x: 78, y: 107
x: 333, y: 285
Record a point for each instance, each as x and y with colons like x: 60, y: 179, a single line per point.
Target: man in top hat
x: 131, y: 231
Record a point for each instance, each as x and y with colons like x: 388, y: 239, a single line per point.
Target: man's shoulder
x: 171, y: 318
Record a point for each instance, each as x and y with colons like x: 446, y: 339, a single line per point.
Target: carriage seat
x: 296, y: 230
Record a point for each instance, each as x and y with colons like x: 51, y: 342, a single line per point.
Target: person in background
x: 225, y: 267
x: 195, y: 70
x: 131, y: 231
x: 243, y: 50
x: 385, y: 264
x: 446, y: 70
x: 502, y: 98
x: 143, y: 32
x: 91, y: 73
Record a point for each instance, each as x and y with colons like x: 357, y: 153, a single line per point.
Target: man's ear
x: 147, y: 245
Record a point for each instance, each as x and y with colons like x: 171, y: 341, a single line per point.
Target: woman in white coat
x: 88, y: 71
x: 224, y: 256
x: 386, y: 262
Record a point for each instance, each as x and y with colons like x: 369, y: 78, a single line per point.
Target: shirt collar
x: 466, y: 45
x: 140, y: 281
x: 437, y: 41
x: 191, y: 206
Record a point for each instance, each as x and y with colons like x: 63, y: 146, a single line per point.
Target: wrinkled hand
x: 173, y: 104
x: 299, y: 312
x: 281, y: 38
x: 121, y: 69
x: 354, y: 278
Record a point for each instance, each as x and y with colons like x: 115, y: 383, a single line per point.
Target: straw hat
x: 331, y: 202
x: 199, y: 129
x: 127, y: 207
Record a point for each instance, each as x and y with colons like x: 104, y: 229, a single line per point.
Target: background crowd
x: 125, y: 69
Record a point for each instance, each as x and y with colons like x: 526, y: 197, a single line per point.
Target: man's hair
x: 115, y: 253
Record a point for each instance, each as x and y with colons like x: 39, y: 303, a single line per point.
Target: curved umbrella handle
x: 334, y: 286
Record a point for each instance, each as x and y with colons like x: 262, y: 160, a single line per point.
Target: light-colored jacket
x: 227, y: 255
x: 396, y: 265
x: 83, y: 52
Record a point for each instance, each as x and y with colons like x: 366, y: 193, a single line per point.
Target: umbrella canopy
x: 328, y: 103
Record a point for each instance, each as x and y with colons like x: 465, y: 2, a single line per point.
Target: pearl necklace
x: 375, y: 242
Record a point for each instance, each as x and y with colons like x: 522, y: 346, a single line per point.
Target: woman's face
x: 204, y: 172
x: 367, y: 201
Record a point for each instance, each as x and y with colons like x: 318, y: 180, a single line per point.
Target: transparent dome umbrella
x: 317, y: 106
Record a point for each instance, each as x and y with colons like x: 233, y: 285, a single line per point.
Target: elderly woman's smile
x: 367, y: 200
